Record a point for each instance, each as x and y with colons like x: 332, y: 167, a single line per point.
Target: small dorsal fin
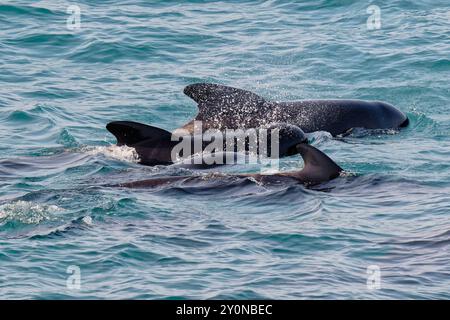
x: 318, y: 166
x: 129, y: 133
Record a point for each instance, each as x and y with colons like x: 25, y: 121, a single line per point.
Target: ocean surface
x: 380, y: 231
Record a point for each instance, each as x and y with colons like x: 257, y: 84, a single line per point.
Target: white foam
x: 27, y: 212
x: 87, y: 220
x: 122, y: 153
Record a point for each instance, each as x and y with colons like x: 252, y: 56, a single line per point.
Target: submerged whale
x: 318, y: 168
x: 155, y: 146
x: 223, y: 107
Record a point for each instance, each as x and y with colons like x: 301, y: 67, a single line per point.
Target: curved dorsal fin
x: 212, y: 94
x: 318, y: 166
x: 225, y: 107
x: 129, y: 132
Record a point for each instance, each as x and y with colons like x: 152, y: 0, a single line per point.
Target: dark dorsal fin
x: 209, y: 95
x: 226, y: 107
x: 318, y: 166
x: 129, y: 133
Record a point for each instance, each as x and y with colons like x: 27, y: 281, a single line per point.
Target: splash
x: 87, y: 220
x: 363, y: 132
x: 122, y: 153
x: 319, y: 136
x: 27, y: 212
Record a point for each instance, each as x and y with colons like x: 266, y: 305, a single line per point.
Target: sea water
x: 68, y: 68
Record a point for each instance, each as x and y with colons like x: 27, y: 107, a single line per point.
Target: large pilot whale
x: 223, y: 107
x: 318, y: 168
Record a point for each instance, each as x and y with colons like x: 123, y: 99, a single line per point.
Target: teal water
x: 130, y: 61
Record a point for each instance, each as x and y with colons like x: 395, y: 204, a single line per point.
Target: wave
x: 108, y: 52
x: 6, y: 10
x: 76, y: 225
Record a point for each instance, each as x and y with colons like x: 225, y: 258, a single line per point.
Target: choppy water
x: 130, y: 61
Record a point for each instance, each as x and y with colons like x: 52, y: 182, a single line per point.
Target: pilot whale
x: 223, y: 107
x: 155, y: 146
x: 318, y: 168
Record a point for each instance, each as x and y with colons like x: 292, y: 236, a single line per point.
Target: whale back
x: 154, y: 145
x: 222, y: 107
x: 318, y: 168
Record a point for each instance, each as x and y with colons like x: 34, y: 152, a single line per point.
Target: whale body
x: 223, y: 107
x: 155, y: 146
x: 318, y: 168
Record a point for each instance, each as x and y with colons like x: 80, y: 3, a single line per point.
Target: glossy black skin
x: 226, y: 107
x: 340, y: 116
x: 154, y: 145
